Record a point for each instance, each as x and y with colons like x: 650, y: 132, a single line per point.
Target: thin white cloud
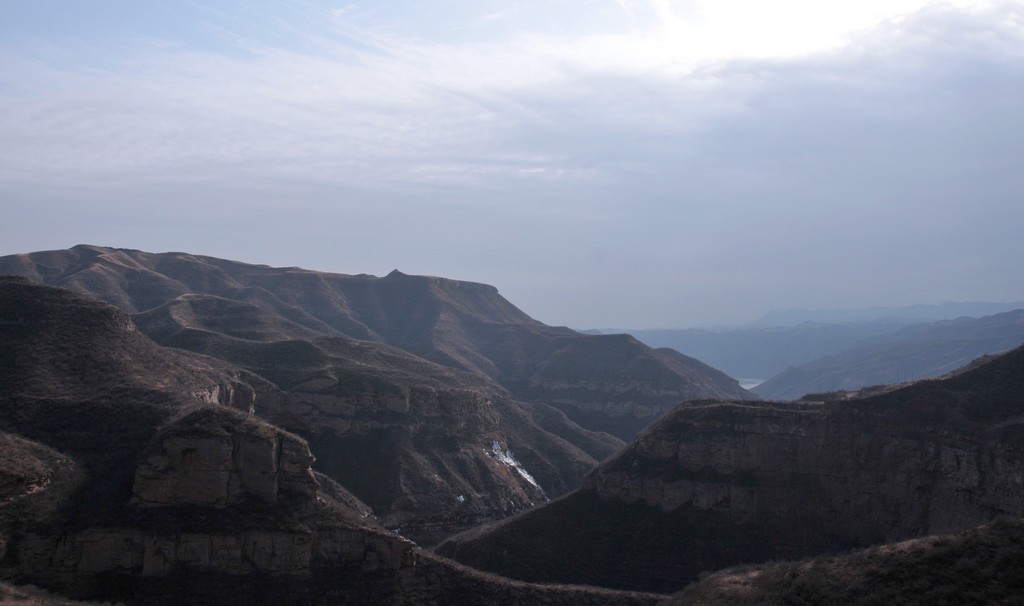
x: 399, y: 99
x: 627, y: 155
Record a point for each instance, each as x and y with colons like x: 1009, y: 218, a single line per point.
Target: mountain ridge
x: 464, y: 325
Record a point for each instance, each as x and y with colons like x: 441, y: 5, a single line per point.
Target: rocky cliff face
x: 205, y: 459
x: 145, y: 446
x: 224, y: 504
x: 718, y: 483
x: 255, y: 484
x: 818, y: 477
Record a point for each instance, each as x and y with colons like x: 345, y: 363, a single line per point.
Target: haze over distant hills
x: 818, y: 356
x: 762, y: 352
x: 918, y: 313
x: 914, y: 352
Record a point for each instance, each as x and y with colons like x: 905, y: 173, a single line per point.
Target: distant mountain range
x: 914, y: 313
x: 763, y: 352
x: 791, y: 361
x: 915, y: 352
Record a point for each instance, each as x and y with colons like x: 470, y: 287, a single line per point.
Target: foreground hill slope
x: 130, y: 474
x: 920, y: 351
x: 979, y: 566
x: 715, y: 484
x: 468, y: 326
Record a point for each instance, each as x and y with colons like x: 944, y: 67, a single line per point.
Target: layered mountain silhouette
x: 914, y: 352
x: 437, y: 402
x: 715, y: 484
x: 761, y: 352
x: 877, y: 345
x: 916, y: 314
x: 610, y: 383
x: 133, y: 471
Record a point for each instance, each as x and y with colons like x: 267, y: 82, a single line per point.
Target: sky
x: 603, y: 163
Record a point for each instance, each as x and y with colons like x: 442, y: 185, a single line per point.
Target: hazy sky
x: 602, y: 162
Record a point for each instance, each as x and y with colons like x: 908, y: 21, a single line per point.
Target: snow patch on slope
x: 505, y: 456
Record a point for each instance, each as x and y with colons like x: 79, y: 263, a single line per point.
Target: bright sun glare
x: 720, y: 29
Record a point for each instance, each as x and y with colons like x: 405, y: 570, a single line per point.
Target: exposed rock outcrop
x: 258, y: 506
x: 296, y: 544
x: 410, y: 437
x: 36, y: 482
x: 204, y: 458
x: 821, y: 476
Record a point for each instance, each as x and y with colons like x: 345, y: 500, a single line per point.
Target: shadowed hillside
x: 979, y: 566
x: 716, y: 483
